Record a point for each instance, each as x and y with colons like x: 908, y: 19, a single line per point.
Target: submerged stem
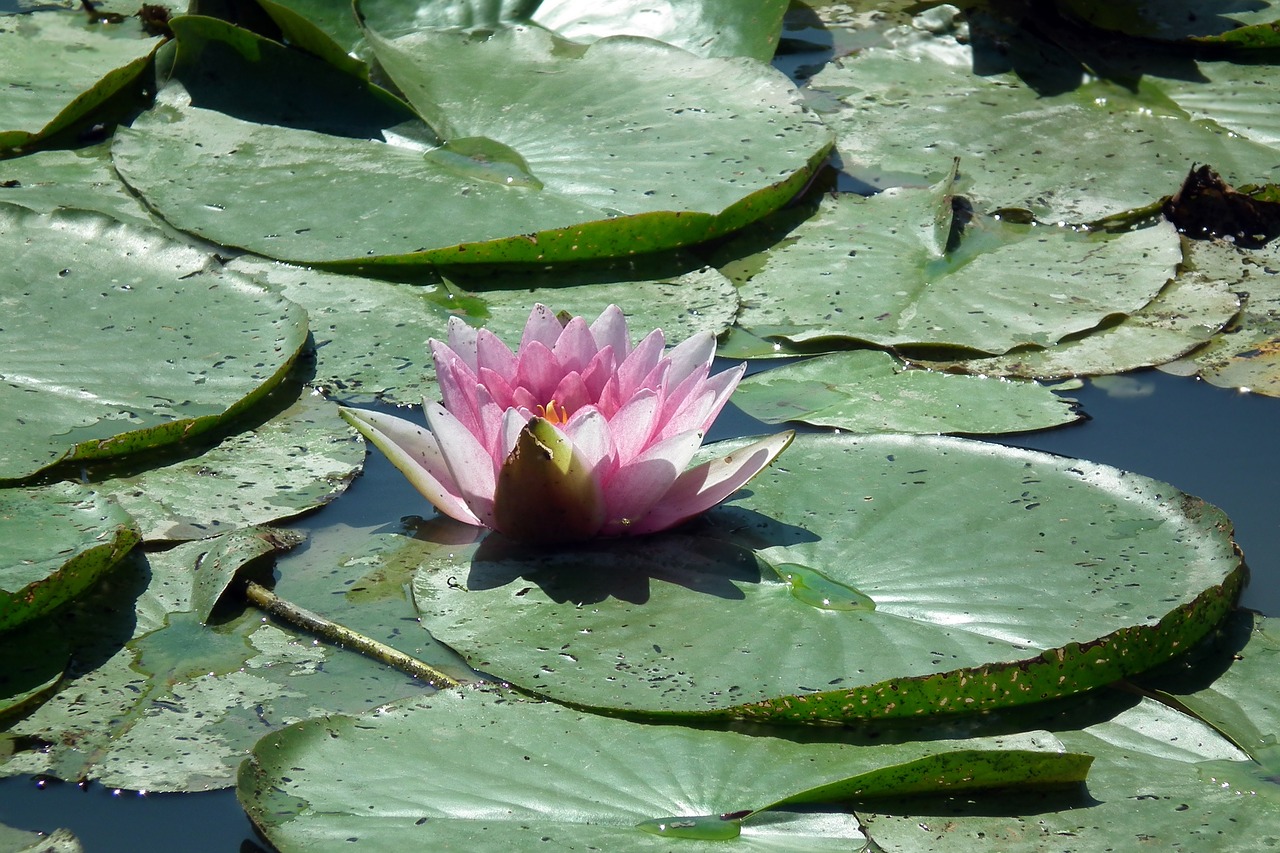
x: 272, y: 604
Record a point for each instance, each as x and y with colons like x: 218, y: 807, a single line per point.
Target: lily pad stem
x: 270, y: 603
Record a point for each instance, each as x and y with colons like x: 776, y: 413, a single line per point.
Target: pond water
x: 1217, y: 444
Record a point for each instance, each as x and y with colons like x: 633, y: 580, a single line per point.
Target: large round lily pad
x: 58, y: 540
x: 478, y: 771
x: 119, y: 338
x: 632, y: 146
x: 927, y: 576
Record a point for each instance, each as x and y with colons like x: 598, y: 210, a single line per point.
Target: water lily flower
x: 575, y: 435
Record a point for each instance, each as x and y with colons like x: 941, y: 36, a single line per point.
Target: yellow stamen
x: 554, y: 412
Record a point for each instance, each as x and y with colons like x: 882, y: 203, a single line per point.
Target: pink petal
x: 638, y: 364
x: 499, y: 389
x: 538, y: 371
x: 589, y: 432
x: 633, y: 424
x: 610, y: 330
x: 635, y: 487
x: 490, y: 417
x: 542, y: 326
x: 571, y: 393
x: 462, y: 340
x: 700, y: 488
x: 596, y: 374
x: 458, y: 389
x: 473, y: 469
x: 701, y: 411
x: 415, y: 454
x: 575, y: 347
x: 493, y: 354
x: 524, y: 399
x: 689, y: 355
x: 679, y: 392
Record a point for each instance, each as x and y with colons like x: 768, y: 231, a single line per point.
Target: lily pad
x: 477, y: 771
x: 703, y: 27
x: 1152, y: 785
x: 301, y: 458
x: 888, y: 271
x: 1086, y: 573
x: 905, y: 109
x: 371, y: 336
x: 159, y: 701
x: 58, y: 540
x: 559, y: 173
x: 1242, y: 97
x: 48, y: 60
x: 81, y: 178
x: 1183, y: 317
x: 1231, y: 684
x: 1247, y: 353
x: 867, y: 391
x: 149, y: 346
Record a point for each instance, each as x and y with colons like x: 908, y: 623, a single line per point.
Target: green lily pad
x: 1183, y: 317
x: 867, y: 391
x: 903, y: 110
x: 1231, y: 684
x: 150, y: 344
x: 299, y: 459
x: 559, y: 174
x: 58, y: 540
x: 49, y: 61
x: 882, y: 271
x: 159, y: 701
x: 1155, y: 784
x: 80, y: 178
x: 477, y: 771
x: 371, y: 336
x: 1242, y: 97
x: 1086, y: 573
x: 703, y: 27
x: 1247, y: 353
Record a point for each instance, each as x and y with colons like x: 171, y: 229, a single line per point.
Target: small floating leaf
x: 482, y: 159
x: 817, y: 590
x: 701, y: 827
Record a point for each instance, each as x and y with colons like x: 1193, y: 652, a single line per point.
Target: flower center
x: 554, y: 412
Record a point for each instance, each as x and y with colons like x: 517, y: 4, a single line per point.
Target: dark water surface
x: 1222, y: 446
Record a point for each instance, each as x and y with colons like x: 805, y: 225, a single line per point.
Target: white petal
x: 473, y: 469
x: 415, y: 453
